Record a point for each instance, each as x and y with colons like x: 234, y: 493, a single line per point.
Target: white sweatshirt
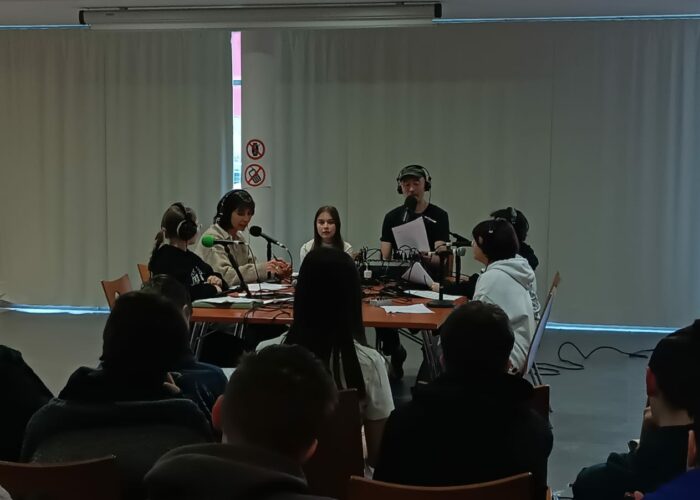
x: 511, y: 285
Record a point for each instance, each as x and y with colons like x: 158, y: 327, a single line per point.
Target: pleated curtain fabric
x: 99, y: 133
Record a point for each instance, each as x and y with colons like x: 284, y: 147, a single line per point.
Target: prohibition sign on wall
x: 255, y: 149
x: 254, y: 175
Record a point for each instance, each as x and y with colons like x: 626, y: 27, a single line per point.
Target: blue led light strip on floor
x: 32, y: 309
x: 582, y: 327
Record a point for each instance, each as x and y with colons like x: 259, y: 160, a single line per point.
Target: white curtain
x: 590, y: 129
x: 99, y: 133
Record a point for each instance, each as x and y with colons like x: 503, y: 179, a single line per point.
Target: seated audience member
x: 144, y: 340
x: 22, y: 393
x: 179, y: 226
x: 685, y: 486
x: 328, y: 322
x: 474, y: 423
x: 233, y: 214
x: 274, y: 407
x: 326, y: 233
x: 508, y: 282
x: 208, y: 380
x: 519, y: 222
x: 521, y: 226
x: 673, y: 388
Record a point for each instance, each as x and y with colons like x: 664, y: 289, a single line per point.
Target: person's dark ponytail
x: 159, y: 242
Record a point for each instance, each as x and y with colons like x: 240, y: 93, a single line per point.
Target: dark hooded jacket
x: 461, y: 430
x: 226, y: 472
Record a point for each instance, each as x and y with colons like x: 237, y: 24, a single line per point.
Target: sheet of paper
x: 427, y: 294
x: 412, y: 309
x: 278, y: 301
x: 266, y: 287
x: 417, y: 274
x: 226, y: 300
x: 412, y: 235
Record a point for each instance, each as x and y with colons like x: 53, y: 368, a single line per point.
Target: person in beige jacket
x: 233, y: 214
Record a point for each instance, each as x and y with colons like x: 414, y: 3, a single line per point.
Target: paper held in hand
x: 412, y: 235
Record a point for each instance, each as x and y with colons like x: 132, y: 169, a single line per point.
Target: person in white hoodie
x: 508, y: 281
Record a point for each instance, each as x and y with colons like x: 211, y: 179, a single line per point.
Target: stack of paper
x: 412, y: 309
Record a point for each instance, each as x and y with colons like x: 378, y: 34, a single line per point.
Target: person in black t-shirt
x: 413, y: 181
x: 179, y: 226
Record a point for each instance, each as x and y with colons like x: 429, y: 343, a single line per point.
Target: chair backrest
x: 87, y: 480
x: 511, y: 488
x: 113, y: 289
x: 540, y: 401
x: 339, y: 454
x: 541, y: 327
x: 137, y: 433
x: 144, y: 272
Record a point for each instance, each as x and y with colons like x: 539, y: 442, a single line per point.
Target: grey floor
x: 595, y: 411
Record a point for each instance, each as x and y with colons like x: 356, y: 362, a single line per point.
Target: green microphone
x: 209, y: 241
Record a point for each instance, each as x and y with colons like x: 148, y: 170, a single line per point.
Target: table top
x: 372, y: 316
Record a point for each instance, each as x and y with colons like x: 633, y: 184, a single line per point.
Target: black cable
x: 552, y: 369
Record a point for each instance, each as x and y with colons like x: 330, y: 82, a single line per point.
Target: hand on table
x: 215, y: 280
x: 279, y: 268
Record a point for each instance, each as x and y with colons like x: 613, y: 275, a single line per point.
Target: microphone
x: 209, y: 241
x: 409, y: 208
x: 448, y: 249
x: 459, y: 251
x: 461, y: 240
x: 257, y: 231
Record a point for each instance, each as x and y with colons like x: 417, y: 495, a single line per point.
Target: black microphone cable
x: 553, y: 369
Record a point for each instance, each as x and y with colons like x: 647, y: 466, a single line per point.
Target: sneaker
x: 397, y: 360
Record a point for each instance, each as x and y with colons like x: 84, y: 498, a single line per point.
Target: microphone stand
x: 269, y: 258
x: 234, y: 263
x: 441, y: 302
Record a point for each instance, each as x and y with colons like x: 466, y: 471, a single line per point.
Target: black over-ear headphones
x: 417, y: 171
x: 512, y: 216
x: 187, y: 228
x: 241, y: 194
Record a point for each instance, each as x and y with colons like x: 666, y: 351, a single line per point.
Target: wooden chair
x: 339, y: 454
x: 95, y: 479
x: 511, y: 488
x: 530, y: 368
x: 144, y: 272
x: 540, y: 401
x: 113, y: 289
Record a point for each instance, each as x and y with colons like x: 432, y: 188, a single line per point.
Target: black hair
x: 236, y: 199
x: 477, y: 338
x: 674, y: 364
x: 337, y: 238
x: 278, y: 399
x: 496, y: 238
x: 144, y: 336
x: 172, y: 220
x: 170, y: 288
x: 328, y: 314
x: 517, y: 220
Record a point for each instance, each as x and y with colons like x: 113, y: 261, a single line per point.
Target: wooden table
x: 372, y: 316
